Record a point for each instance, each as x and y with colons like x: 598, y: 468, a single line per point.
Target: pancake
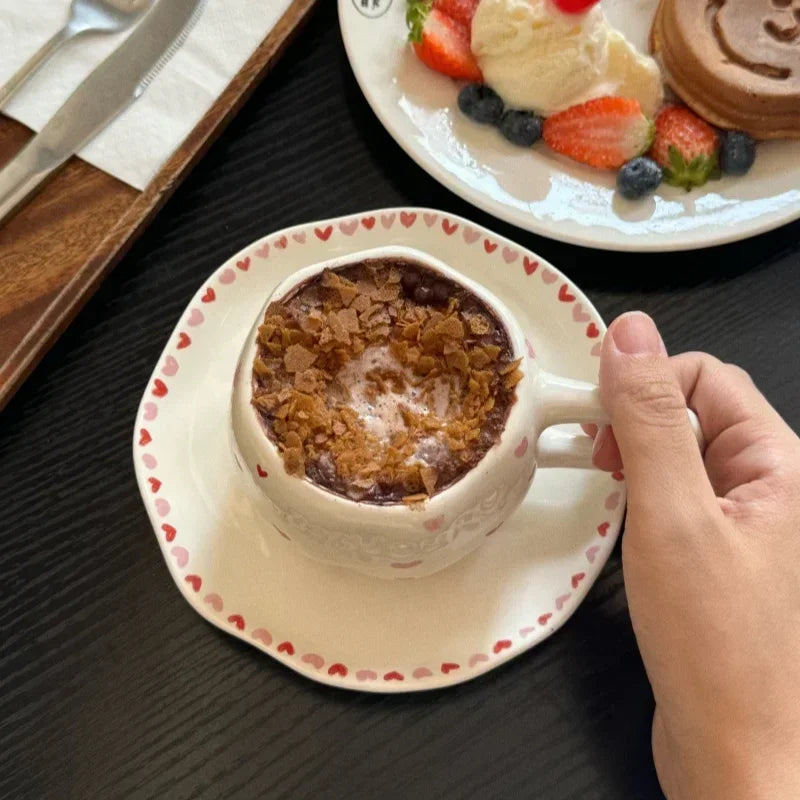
x: 736, y: 63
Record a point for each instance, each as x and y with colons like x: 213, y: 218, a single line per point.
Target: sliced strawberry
x: 441, y: 42
x: 686, y: 146
x: 603, y: 133
x: 460, y: 10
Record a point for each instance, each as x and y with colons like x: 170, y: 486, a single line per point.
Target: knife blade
x: 109, y: 89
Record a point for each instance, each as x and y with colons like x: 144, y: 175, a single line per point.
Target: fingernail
x: 635, y: 333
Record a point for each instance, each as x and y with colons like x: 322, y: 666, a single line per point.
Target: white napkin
x: 137, y: 143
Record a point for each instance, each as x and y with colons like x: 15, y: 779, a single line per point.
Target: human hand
x: 711, y: 561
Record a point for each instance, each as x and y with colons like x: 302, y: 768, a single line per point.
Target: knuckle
x: 741, y: 375
x: 654, y: 400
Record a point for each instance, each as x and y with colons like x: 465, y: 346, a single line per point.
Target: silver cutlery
x: 113, y: 86
x: 85, y: 16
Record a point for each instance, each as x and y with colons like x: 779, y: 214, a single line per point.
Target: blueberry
x: 522, y: 128
x: 639, y: 177
x: 480, y: 103
x: 410, y: 281
x: 423, y: 295
x: 737, y: 154
x: 441, y: 292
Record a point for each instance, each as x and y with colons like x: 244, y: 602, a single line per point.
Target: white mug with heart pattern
x: 395, y: 540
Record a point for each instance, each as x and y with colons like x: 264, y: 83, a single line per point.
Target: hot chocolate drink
x: 383, y: 381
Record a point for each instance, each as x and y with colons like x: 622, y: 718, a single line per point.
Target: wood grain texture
x: 112, y: 687
x: 57, y: 249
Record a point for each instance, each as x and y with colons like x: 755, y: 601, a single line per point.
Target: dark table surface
x: 113, y: 687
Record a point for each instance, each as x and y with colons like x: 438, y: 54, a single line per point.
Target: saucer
x: 330, y: 624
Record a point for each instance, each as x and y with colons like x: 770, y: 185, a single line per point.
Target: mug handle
x: 566, y: 400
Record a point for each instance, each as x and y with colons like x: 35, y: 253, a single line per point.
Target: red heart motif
x: 169, y: 531
x: 394, y: 675
x: 501, y: 644
x: 592, y: 331
x: 324, y: 233
x: 603, y: 529
x: 237, y: 620
x: 262, y: 473
x: 159, y: 388
x: 155, y: 484
x: 521, y: 448
x: 407, y: 219
x: 195, y: 580
x: 144, y: 437
x: 543, y: 619
x: 449, y: 667
x: 184, y: 340
x: 577, y: 578
x: 210, y: 296
x: 618, y: 476
x: 368, y: 222
x: 244, y: 264
x: 281, y: 243
x: 564, y: 295
x: 488, y: 246
x: 530, y: 265
x: 286, y: 647
x: 337, y: 669
x: 449, y: 227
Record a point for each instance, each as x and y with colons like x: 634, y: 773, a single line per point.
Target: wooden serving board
x: 58, y: 248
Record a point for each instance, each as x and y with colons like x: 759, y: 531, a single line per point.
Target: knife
x: 109, y: 89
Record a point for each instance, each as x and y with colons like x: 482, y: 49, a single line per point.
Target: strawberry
x: 686, y: 146
x: 441, y: 42
x: 460, y: 10
x: 603, y: 133
x: 574, y: 6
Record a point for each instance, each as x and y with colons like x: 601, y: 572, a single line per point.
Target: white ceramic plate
x: 330, y: 624
x: 538, y: 190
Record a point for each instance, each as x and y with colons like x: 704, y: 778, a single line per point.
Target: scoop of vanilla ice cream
x: 539, y: 58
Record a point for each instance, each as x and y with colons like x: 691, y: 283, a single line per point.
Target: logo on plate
x: 372, y: 8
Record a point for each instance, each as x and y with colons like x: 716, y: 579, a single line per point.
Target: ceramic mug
x: 397, y: 540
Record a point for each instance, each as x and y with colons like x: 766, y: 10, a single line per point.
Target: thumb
x: 642, y: 396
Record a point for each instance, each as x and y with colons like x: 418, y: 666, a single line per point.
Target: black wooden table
x: 112, y: 687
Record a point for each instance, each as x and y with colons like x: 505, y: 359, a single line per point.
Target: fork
x: 85, y: 16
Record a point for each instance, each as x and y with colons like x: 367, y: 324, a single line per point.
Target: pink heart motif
x: 170, y: 367
x: 612, y: 501
x: 149, y: 461
x: 262, y: 635
x: 162, y: 507
x: 591, y: 553
x: 521, y: 448
x: 387, y: 220
x: 348, y: 228
x: 561, y: 600
x: 597, y: 349
x: 421, y: 672
x: 195, y: 318
x: 150, y: 411
x: 281, y: 243
x: 531, y: 351
x: 263, y: 251
x: 366, y: 675
x: 477, y: 658
x: 578, y: 314
x: 434, y: 524
x: 181, y: 555
x: 509, y: 255
x: 215, y: 601
x: 227, y: 276
x: 471, y: 236
x: 430, y: 219
x: 405, y: 564
x: 313, y: 659
x: 525, y: 631
x: 300, y: 238
x: 548, y: 276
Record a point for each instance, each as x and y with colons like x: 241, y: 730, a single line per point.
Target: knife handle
x: 25, y: 173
